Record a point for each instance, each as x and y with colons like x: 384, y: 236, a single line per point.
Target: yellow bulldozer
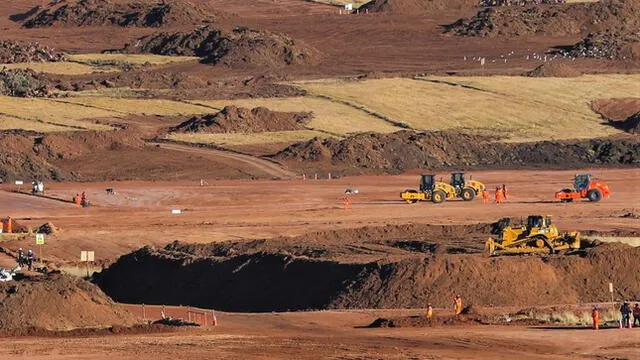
x: 538, y: 236
x: 437, y: 191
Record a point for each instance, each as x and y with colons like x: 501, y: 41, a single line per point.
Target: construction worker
x: 625, y: 311
x: 77, y: 199
x: 1, y: 227
x: 346, y: 202
x: 457, y: 304
x: 595, y: 315
x: 83, y: 197
x: 499, y: 196
x: 20, y: 257
x: 30, y: 259
x: 636, y: 315
x: 485, y: 196
x: 9, y: 225
x: 429, y: 311
x: 504, y: 191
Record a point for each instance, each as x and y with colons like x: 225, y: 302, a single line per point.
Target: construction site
x: 278, y: 179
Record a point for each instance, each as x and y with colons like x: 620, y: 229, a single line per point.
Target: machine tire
x: 594, y: 195
x: 566, y: 200
x: 438, y: 196
x: 468, y: 194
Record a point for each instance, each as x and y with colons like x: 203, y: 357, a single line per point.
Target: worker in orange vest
x: 429, y: 311
x: 485, y: 196
x: 9, y: 225
x: 346, y: 202
x: 595, y: 315
x: 499, y: 195
x: 504, y: 191
x: 457, y: 303
x: 1, y: 227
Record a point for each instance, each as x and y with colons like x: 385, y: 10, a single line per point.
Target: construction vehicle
x: 538, y: 236
x: 437, y: 191
x: 584, y: 186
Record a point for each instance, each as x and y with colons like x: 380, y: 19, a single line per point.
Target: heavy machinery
x: 584, y: 186
x: 437, y: 191
x: 538, y: 236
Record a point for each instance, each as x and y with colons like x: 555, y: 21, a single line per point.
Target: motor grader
x: 437, y: 191
x: 538, y: 236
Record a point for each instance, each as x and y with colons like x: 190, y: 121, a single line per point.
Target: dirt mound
x: 422, y: 321
x: 23, y: 83
x: 74, y: 13
x: 48, y: 228
x: 28, y: 155
x: 553, y: 69
x: 19, y: 52
x: 607, y: 45
x: 57, y: 303
x: 415, y: 6
x: 557, y: 20
x: 489, y: 3
x: 240, y: 47
x: 616, y: 109
x: 367, y: 272
x: 405, y: 150
x: 235, y: 119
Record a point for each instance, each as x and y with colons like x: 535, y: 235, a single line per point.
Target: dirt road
x: 333, y: 335
x: 239, y: 160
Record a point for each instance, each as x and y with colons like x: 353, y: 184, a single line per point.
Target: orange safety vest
x: 458, y: 303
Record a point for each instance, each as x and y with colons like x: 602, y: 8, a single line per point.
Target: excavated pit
x: 400, y: 266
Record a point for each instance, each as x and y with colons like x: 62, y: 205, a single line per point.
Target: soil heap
x: 48, y: 228
x: 57, y: 303
x: 240, y: 47
x: 489, y: 3
x: 22, y: 83
x: 616, y: 109
x: 404, y: 150
x: 235, y: 119
x: 374, y: 267
x: 415, y: 6
x: 19, y: 52
x: 553, y: 69
x: 556, y: 20
x: 160, y: 13
x: 607, y: 45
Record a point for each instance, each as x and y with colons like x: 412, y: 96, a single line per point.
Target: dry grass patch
x: 53, y: 112
x: 235, y: 139
x: 60, y: 68
x: 138, y: 59
x: 526, y: 109
x: 7, y: 123
x: 331, y: 117
x: 138, y: 106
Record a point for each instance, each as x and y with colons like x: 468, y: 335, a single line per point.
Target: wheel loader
x: 538, y: 236
x: 584, y: 186
x: 437, y: 191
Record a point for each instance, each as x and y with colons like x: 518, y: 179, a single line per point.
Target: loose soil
x: 405, y: 150
x: 240, y: 47
x: 386, y: 267
x: 556, y: 20
x: 23, y: 83
x: 19, y: 52
x: 234, y: 119
x: 57, y: 303
x: 414, y: 6
x: 488, y: 3
x: 616, y: 109
x: 606, y: 45
x: 113, y: 12
x: 553, y: 69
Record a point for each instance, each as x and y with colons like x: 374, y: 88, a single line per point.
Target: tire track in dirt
x: 260, y: 165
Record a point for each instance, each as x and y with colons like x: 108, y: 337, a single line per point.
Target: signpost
x: 40, y: 242
x: 611, y: 291
x: 87, y: 256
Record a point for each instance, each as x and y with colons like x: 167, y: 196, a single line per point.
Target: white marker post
x: 611, y: 291
x: 87, y: 257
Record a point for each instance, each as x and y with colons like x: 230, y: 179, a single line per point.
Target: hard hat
x: 20, y: 249
x: 457, y: 296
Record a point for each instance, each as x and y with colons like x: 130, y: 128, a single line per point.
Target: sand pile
x: 489, y: 3
x: 332, y: 271
x: 607, y: 45
x: 553, y: 69
x: 74, y: 13
x: 57, y: 302
x: 23, y: 83
x: 559, y: 20
x: 415, y: 6
x: 240, y: 47
x: 48, y: 228
x: 616, y: 109
x: 19, y: 52
x: 405, y: 150
x: 235, y: 119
